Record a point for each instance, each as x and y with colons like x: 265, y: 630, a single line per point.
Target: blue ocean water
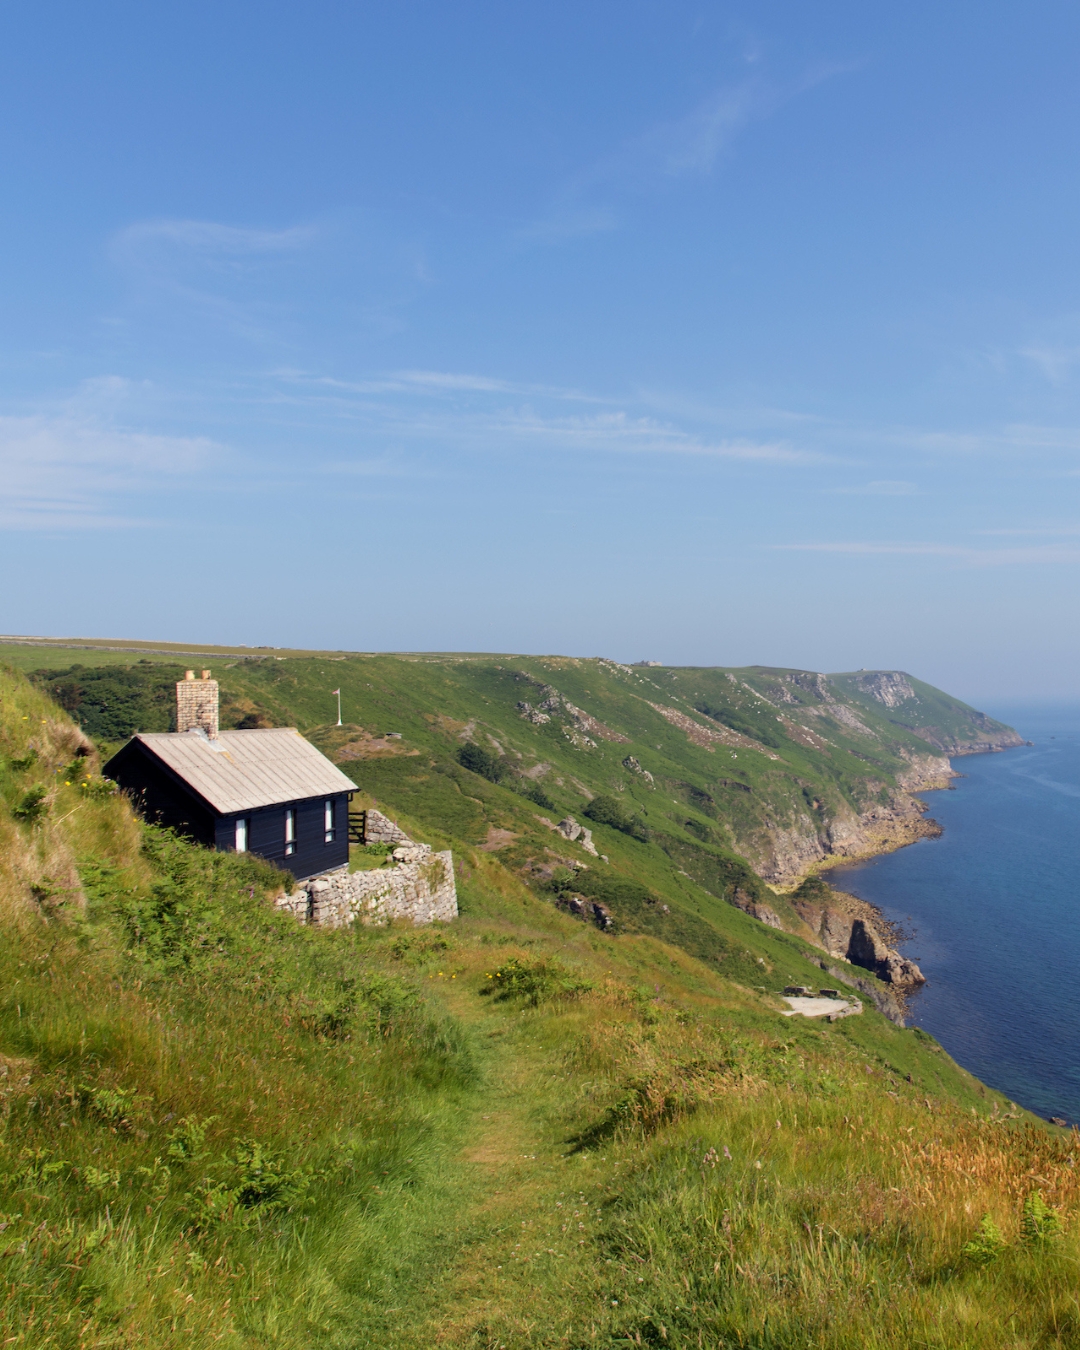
x: 995, y: 908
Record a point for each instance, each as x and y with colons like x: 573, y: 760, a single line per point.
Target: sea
x: 993, y: 912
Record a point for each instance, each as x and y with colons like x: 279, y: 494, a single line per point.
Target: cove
x: 994, y: 905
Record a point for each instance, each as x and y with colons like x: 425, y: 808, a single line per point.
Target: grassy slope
x: 808, y: 768
x: 392, y: 1158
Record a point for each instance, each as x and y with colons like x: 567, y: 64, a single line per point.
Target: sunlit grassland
x: 220, y: 1128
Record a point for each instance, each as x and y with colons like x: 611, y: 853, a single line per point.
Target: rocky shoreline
x: 845, y: 927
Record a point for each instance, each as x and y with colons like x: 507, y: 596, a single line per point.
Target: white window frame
x: 290, y: 831
x: 241, y: 834
x: 328, y: 821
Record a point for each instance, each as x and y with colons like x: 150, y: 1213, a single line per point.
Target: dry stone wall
x: 380, y: 829
x: 419, y: 886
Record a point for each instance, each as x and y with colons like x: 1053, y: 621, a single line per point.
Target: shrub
x: 745, y: 726
x: 610, y: 811
x: 31, y: 806
x: 483, y: 762
x: 1038, y: 1223
x: 536, y: 794
x: 534, y: 981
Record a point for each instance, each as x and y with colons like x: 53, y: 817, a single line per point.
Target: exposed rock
x: 601, y: 914
x: 585, y: 726
x: 887, y: 1001
x: 765, y: 915
x: 786, y: 851
x: 891, y: 687
x: 634, y: 765
x: 569, y: 828
x: 709, y: 736
x: 854, y: 930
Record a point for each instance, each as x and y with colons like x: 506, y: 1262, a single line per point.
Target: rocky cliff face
x: 853, y: 930
x: 785, y: 853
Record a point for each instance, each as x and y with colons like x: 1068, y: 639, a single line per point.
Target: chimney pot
x: 206, y: 674
x: 189, y: 674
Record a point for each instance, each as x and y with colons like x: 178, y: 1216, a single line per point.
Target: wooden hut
x: 263, y: 791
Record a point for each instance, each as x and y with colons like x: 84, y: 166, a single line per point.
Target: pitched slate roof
x: 243, y: 770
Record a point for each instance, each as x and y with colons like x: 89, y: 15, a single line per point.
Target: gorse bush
x: 535, y: 981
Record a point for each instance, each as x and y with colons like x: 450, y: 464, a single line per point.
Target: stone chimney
x: 197, y: 704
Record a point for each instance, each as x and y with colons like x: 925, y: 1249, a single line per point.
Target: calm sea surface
x: 995, y: 907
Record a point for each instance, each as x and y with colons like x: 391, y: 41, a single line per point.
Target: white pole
x: 339, y: 707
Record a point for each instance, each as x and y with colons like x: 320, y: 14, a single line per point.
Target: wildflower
x: 727, y: 1155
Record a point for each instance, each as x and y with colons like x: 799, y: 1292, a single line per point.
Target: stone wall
x: 375, y: 828
x: 419, y: 886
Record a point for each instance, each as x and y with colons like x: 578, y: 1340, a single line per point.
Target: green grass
x: 219, y: 1127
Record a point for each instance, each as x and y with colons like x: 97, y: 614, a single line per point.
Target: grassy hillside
x: 513, y: 1131
x: 785, y: 769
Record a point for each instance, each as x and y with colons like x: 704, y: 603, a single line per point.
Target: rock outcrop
x: 853, y: 930
x: 789, y: 849
x: 570, y: 829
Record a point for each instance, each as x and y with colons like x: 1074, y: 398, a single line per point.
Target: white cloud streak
x: 68, y: 472
x: 975, y: 557
x: 207, y: 239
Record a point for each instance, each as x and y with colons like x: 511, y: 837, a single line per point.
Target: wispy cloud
x: 687, y: 146
x: 1055, y: 363
x: 214, y: 272
x: 149, y: 240
x: 489, y: 415
x: 882, y: 487
x: 65, y: 472
x: 976, y: 557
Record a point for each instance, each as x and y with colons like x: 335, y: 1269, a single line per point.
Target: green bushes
x: 484, y: 762
x: 497, y: 769
x: 31, y: 806
x: 610, y: 811
x: 535, y: 981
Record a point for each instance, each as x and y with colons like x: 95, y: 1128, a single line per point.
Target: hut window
x: 290, y: 831
x: 241, y: 835
x: 328, y: 821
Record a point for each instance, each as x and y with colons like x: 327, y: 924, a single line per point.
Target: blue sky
x: 705, y: 333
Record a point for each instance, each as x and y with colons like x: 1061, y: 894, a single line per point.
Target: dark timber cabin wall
x: 266, y: 834
x: 161, y: 796
x: 202, y: 782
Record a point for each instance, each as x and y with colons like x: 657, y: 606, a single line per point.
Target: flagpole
x: 338, y: 692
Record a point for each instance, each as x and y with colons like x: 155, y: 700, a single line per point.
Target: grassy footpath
x: 220, y: 1128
